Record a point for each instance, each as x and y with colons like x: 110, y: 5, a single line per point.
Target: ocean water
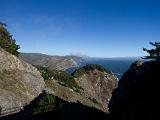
x: 117, y: 66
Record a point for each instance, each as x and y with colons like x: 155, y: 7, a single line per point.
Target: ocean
x: 117, y: 66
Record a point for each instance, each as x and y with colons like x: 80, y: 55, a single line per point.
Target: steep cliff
x: 19, y: 81
x: 137, y: 96
x: 97, y: 82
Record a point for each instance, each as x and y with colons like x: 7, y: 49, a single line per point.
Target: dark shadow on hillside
x: 67, y: 111
x: 138, y: 94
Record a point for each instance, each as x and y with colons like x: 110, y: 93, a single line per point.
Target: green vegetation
x: 48, y: 103
x: 63, y: 78
x: 46, y: 73
x: 6, y: 40
x: 153, y: 53
x: 87, y: 68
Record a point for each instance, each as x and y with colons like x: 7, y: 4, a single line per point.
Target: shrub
x: 48, y: 103
x: 63, y: 78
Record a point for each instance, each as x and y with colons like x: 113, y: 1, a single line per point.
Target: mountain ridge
x: 56, y: 62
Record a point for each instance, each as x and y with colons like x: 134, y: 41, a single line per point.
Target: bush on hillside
x: 48, y: 103
x: 63, y: 78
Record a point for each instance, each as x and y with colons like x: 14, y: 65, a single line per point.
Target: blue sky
x: 97, y: 28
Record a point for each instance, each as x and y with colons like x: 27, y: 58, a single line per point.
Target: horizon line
x: 86, y: 56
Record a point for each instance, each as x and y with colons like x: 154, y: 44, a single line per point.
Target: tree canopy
x: 153, y: 53
x: 6, y: 40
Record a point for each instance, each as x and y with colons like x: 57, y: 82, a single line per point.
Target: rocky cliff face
x: 19, y: 81
x: 98, y: 86
x: 96, y: 89
x: 52, y: 62
x: 137, y: 96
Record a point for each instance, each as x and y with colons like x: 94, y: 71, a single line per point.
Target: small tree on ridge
x: 153, y: 53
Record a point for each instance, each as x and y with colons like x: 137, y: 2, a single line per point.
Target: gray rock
x: 20, y: 82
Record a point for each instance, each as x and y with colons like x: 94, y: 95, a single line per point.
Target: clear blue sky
x: 97, y: 28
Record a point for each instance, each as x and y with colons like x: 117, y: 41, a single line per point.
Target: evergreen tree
x: 6, y: 40
x: 153, y: 53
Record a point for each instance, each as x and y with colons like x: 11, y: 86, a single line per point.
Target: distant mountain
x: 52, y: 62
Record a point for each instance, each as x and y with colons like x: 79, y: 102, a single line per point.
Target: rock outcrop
x: 137, y: 96
x: 20, y: 82
x: 98, y: 86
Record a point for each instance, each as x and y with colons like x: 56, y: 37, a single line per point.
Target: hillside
x: 52, y: 62
x: 92, y: 89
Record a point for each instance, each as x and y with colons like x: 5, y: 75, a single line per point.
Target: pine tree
x: 153, y: 53
x: 6, y: 40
